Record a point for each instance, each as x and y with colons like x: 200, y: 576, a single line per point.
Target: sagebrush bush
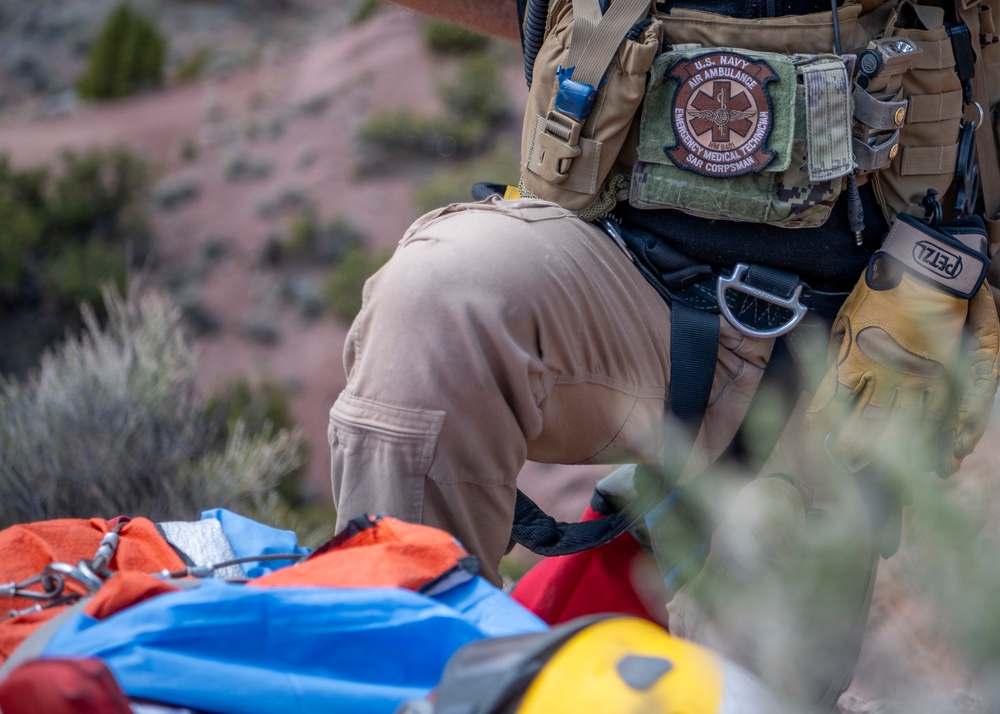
x: 111, y: 424
x: 239, y: 167
x: 127, y: 57
x: 258, y: 406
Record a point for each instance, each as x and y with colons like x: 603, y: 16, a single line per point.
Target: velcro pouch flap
x: 828, y: 118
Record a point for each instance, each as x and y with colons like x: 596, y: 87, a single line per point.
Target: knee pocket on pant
x: 380, y: 456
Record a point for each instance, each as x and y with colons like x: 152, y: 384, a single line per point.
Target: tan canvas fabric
x: 537, y: 339
x: 787, y: 35
x: 601, y: 137
x: 928, y: 150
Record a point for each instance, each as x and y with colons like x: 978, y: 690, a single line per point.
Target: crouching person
x: 710, y: 196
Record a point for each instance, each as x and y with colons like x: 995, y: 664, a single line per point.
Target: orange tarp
x: 29, y: 547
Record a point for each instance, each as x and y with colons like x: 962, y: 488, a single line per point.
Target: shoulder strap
x: 597, y: 35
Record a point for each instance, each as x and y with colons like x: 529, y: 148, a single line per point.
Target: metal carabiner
x: 982, y: 114
x: 83, y: 575
x: 52, y: 588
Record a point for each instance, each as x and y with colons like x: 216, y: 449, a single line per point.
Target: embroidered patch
x: 721, y: 115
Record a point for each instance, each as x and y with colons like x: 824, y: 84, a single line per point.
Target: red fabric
x: 62, y: 686
x: 125, y: 590
x: 29, y: 547
x: 388, y: 553
x: 599, y: 580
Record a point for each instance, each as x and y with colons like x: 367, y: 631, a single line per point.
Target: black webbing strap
x: 694, y: 349
x: 779, y: 386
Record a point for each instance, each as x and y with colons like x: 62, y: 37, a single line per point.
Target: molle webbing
x: 935, y: 107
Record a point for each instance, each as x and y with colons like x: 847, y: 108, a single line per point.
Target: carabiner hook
x: 932, y: 206
x: 83, y: 575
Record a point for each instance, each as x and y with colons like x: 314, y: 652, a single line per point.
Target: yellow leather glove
x: 965, y: 426
x: 895, y: 348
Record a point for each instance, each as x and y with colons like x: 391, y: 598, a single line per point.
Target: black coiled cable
x: 534, y: 33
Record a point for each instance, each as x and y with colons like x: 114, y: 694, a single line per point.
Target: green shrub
x: 476, y: 102
x: 403, y: 135
x: 69, y: 274
x: 126, y: 57
x: 68, y: 228
x: 18, y: 239
x: 343, y: 290
x: 311, y: 242
x: 301, y: 234
x: 477, y: 93
x: 97, y: 193
x: 338, y: 238
x: 111, y: 424
x: 194, y: 65
x: 447, y: 38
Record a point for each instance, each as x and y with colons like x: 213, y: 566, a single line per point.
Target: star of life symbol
x: 721, y: 115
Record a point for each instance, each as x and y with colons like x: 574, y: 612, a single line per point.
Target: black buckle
x: 757, y: 312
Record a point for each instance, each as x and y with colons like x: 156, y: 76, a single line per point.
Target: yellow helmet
x: 607, y: 664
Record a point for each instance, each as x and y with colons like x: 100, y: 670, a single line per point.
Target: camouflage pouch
x: 745, y: 136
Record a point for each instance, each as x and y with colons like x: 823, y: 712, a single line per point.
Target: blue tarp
x: 248, y: 538
x: 224, y: 647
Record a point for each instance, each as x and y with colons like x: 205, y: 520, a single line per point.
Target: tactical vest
x: 762, y: 120
x: 641, y: 107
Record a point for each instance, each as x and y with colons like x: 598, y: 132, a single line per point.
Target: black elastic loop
x: 542, y: 534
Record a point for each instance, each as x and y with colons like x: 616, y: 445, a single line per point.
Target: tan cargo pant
x: 509, y: 330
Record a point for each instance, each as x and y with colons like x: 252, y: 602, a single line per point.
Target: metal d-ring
x: 735, y: 282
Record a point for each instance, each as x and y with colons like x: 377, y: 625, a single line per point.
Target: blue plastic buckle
x: 575, y: 99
